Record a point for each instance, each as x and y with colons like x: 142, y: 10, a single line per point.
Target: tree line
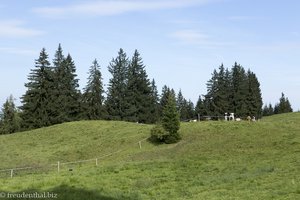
x: 231, y: 91
x: 53, y: 95
x: 283, y: 106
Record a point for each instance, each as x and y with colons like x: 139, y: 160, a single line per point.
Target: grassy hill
x: 214, y: 160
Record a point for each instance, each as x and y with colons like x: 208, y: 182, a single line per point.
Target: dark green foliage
x: 200, y: 108
x: 158, y: 134
x: 184, y: 107
x: 167, y: 131
x: 232, y: 91
x: 164, y: 96
x: 154, y: 117
x: 115, y: 102
x: 268, y: 110
x: 93, y: 94
x: 66, y: 98
x: 37, y: 108
x: 52, y: 94
x: 284, y: 105
x: 254, y: 99
x: 239, y: 91
x: 9, y: 121
x: 138, y: 100
x: 190, y: 109
x: 170, y: 120
x: 217, y: 93
x: 166, y: 92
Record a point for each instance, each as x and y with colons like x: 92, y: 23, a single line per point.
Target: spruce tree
x: 164, y: 97
x: 138, y: 92
x: 200, y: 109
x: 232, y: 91
x: 239, y: 91
x: 66, y: 101
x: 10, y: 121
x: 268, y: 110
x: 71, y: 92
x: 253, y: 99
x: 217, y: 96
x: 171, y: 120
x: 116, y: 103
x: 154, y: 117
x: 271, y: 110
x: 284, y: 105
x: 182, y: 106
x: 190, y: 109
x: 37, y: 108
x: 265, y: 111
x: 93, y: 98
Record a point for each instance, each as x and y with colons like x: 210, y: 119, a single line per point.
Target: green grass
x: 214, y: 160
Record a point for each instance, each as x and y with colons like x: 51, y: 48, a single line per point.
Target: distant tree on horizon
x: 268, y: 110
x: 154, y: 117
x: 284, y: 105
x: 9, y: 121
x: 185, y: 107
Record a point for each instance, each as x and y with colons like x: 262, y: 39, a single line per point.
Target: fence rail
x: 11, y: 172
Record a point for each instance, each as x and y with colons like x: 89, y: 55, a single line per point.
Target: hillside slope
x: 214, y: 160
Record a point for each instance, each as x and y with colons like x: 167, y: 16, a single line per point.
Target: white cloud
x: 114, y: 7
x: 15, y: 28
x: 196, y: 38
x: 190, y: 36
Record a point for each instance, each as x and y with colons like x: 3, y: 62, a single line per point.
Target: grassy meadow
x: 214, y: 160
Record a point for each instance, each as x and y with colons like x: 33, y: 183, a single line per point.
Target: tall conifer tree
x: 67, y: 100
x: 254, y: 99
x: 37, y: 108
x: 116, y: 103
x: 93, y: 98
x: 239, y: 91
x: 138, y: 92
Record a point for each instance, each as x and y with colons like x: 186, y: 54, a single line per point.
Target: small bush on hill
x: 158, y: 134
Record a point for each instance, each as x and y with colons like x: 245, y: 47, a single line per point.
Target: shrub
x: 158, y: 134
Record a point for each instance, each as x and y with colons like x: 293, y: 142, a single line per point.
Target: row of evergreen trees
x: 283, y: 106
x: 231, y: 91
x: 53, y: 94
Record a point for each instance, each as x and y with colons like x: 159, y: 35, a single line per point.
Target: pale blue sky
x: 180, y: 41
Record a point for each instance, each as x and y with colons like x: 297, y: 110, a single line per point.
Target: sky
x: 181, y: 42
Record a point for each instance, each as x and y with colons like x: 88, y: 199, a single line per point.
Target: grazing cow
x: 231, y: 116
x: 226, y: 117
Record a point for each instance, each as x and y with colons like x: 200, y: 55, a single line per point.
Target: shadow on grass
x: 63, y: 192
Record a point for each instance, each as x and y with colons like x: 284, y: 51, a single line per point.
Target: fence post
x: 140, y: 144
x: 96, y: 161
x: 11, y: 173
x: 58, y: 166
